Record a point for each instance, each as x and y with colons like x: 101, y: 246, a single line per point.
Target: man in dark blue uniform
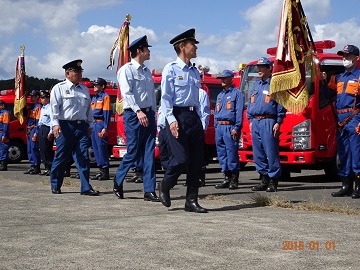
x: 346, y: 87
x: 265, y: 116
x: 181, y: 107
x: 4, y: 135
x: 139, y: 102
x: 72, y: 118
x: 32, y: 134
x: 100, y: 106
x: 46, y: 136
x: 228, y: 122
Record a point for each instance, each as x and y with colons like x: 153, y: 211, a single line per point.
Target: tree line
x: 32, y: 83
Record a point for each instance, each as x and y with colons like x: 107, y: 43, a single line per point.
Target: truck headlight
x: 301, y: 135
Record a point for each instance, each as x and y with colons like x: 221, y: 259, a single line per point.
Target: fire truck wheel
x: 332, y: 168
x: 16, y: 152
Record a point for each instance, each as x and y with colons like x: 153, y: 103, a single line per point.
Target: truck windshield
x: 248, y: 79
x: 251, y: 75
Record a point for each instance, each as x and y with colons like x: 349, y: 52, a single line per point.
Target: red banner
x: 121, y: 44
x: 20, y: 87
x: 293, y: 59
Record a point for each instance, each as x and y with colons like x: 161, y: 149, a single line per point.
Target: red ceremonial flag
x: 293, y: 59
x: 20, y: 87
x: 121, y: 44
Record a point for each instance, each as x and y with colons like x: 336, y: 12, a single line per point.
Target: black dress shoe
x: 91, y: 192
x: 56, y: 191
x: 29, y: 170
x: 151, y: 196
x: 46, y: 173
x: 118, y: 190
x: 164, y: 195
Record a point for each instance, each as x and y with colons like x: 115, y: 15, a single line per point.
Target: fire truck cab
x: 307, y: 140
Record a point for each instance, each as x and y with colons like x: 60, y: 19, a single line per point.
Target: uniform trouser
x: 227, y: 149
x: 139, y: 139
x: 100, y: 146
x: 33, y: 149
x: 139, y: 163
x: 4, y: 151
x: 73, y: 139
x: 265, y: 148
x: 187, y: 151
x: 348, y: 147
x: 163, y: 148
x: 46, y: 146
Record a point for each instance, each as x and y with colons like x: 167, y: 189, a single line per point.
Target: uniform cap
x: 187, y: 35
x: 351, y: 49
x: 34, y: 93
x: 226, y: 73
x: 264, y: 61
x: 100, y: 81
x: 139, y: 43
x: 44, y: 94
x: 73, y: 65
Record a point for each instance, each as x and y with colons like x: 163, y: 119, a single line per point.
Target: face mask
x: 347, y: 63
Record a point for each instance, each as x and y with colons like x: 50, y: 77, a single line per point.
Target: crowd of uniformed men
x: 70, y: 116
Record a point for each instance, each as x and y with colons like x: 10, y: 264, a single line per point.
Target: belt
x: 145, y: 109
x: 74, y: 121
x: 98, y: 120
x: 267, y: 116
x: 345, y: 110
x: 191, y: 108
x: 225, y: 122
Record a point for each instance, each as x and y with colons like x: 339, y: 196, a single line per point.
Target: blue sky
x: 230, y: 32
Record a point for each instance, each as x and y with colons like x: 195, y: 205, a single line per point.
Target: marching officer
x: 72, y: 118
x: 100, y: 106
x: 46, y: 136
x: 138, y: 94
x: 265, y: 116
x: 228, y: 122
x: 346, y: 85
x: 4, y: 135
x: 181, y: 107
x: 32, y: 134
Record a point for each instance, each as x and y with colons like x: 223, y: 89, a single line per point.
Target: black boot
x: 36, y: 170
x: 356, y: 193
x: 164, y: 193
x: 191, y: 204
x: 234, y: 181
x: 118, y: 190
x: 272, y: 187
x: 3, y: 166
x: 29, y: 170
x: 133, y: 178
x: 97, y: 176
x: 47, y: 171
x: 139, y: 177
x: 265, y: 180
x: 104, y: 174
x: 226, y: 182
x: 346, y: 188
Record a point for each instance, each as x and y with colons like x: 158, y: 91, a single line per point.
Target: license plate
x: 122, y: 153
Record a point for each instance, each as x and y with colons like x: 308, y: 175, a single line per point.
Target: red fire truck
x: 307, y: 139
x: 210, y: 84
x: 17, y: 142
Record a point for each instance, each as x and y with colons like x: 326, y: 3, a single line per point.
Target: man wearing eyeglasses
x: 72, y: 119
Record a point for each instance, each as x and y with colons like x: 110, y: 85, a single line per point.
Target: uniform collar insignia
x: 180, y: 77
